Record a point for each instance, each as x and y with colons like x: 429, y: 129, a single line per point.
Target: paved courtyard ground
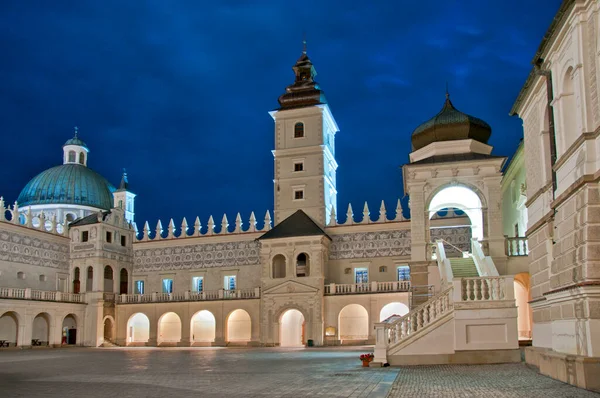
x: 238, y: 372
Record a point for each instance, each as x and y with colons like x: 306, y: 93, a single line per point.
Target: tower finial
x: 304, y: 43
x: 447, y: 92
x: 76, y: 130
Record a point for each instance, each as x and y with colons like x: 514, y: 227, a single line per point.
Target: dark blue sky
x: 178, y: 92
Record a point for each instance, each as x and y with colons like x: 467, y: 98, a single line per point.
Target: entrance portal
x: 291, y: 330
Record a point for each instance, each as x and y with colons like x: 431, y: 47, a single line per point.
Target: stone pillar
x: 24, y: 331
x: 419, y: 223
x: 152, y: 335
x: 381, y: 344
x: 220, y: 328
x: 493, y: 224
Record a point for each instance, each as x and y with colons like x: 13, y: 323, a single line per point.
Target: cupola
x: 75, y: 151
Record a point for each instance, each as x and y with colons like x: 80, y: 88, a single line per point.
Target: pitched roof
x: 91, y: 219
x: 456, y: 157
x: 298, y: 224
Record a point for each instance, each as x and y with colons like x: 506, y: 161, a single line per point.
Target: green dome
x: 71, y: 184
x: 75, y: 141
x: 450, y: 124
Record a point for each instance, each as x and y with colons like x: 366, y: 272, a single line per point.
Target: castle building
x: 450, y: 284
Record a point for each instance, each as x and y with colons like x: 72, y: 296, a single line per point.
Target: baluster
x: 468, y: 298
x: 498, y: 293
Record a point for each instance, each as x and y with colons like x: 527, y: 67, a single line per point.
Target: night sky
x: 177, y: 92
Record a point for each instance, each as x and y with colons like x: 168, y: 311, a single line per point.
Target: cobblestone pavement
x: 506, y: 380
x: 190, y: 372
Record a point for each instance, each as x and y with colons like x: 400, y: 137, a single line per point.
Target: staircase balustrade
x: 517, y: 246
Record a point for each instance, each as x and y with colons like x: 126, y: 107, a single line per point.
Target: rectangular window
x: 198, y: 283
x: 108, y: 237
x: 85, y: 236
x: 167, y: 286
x: 299, y: 166
x: 361, y: 275
x: 404, y: 273
x: 139, y: 287
x: 123, y: 240
x: 299, y: 194
x: 229, y: 282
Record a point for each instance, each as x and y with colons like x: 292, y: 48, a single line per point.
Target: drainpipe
x: 551, y: 130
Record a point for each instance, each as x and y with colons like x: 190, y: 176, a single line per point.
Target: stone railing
x: 40, y: 295
x: 485, y: 265
x: 516, y: 246
x: 371, y: 287
x: 485, y: 288
x: 221, y: 294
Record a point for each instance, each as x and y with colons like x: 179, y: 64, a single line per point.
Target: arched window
x: 278, y: 266
x: 299, y: 130
x: 72, y: 156
x: 302, y: 265
x: 108, y: 272
x: 568, y: 113
x: 81, y: 158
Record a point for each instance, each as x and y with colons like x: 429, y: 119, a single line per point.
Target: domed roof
x: 75, y: 141
x: 72, y: 184
x: 450, y: 124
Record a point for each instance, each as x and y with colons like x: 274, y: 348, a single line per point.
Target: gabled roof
x: 91, y: 219
x: 298, y: 224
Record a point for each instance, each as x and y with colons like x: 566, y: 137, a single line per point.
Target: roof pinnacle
x: 76, y: 131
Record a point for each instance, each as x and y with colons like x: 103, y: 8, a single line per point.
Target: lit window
x: 167, y: 286
x: 299, y: 194
x: 299, y: 166
x: 139, y: 287
x: 229, y: 282
x: 198, y: 283
x: 404, y: 273
x: 109, y: 237
x: 361, y: 275
x: 85, y: 236
x: 299, y: 130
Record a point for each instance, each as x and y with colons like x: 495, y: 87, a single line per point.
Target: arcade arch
x: 69, y: 330
x: 203, y: 327
x: 9, y: 327
x: 291, y: 329
x: 169, y: 328
x: 239, y: 327
x: 464, y: 199
x: 353, y: 323
x: 41, y: 328
x: 522, y: 298
x: 390, y: 309
x: 138, y: 328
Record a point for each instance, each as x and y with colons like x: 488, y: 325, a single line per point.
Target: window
x: 123, y: 240
x: 279, y: 266
x: 42, y: 278
x: 20, y: 275
x: 299, y: 130
x: 120, y: 204
x: 299, y: 194
x: 298, y: 166
x: 108, y: 237
x: 167, y: 286
x: 81, y: 158
x: 72, y: 155
x: 361, y: 275
x: 229, y: 282
x: 85, y: 236
x: 302, y: 265
x: 198, y: 283
x: 139, y: 287
x: 404, y: 273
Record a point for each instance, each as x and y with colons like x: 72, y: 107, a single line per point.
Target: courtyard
x: 255, y: 372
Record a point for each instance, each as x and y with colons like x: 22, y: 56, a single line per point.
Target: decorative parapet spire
x: 366, y: 213
x: 382, y: 213
x: 332, y: 220
x: 197, y: 227
x: 28, y: 221
x: 211, y: 226
x: 238, y: 224
x: 252, y: 226
x: 159, y: 230
x: 146, y: 231
x: 349, y: 215
x: 2, y: 209
x: 171, y: 230
x: 184, y: 228
x: 15, y: 213
x: 305, y: 91
x: 224, y: 225
x: 267, y: 226
x: 399, y: 215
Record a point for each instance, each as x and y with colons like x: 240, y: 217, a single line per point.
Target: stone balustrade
x: 517, y: 246
x: 40, y: 295
x: 371, y: 287
x: 221, y: 294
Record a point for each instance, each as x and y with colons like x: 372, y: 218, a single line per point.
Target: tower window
x: 299, y: 194
x: 299, y: 130
x: 81, y: 158
x: 123, y: 240
x: 72, y: 155
x: 85, y: 235
x: 298, y: 166
x: 108, y: 237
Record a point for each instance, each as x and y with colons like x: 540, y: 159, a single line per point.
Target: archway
x: 392, y: 309
x: 353, y: 323
x: 9, y: 327
x: 203, y: 327
x: 291, y: 329
x: 524, y: 313
x: 108, y: 279
x: 108, y: 329
x: 169, y: 328
x: 69, y: 330
x: 124, y: 281
x: 40, y: 335
x: 239, y: 327
x: 464, y: 199
x: 138, y: 328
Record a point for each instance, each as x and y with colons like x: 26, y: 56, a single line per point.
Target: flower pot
x: 366, y: 363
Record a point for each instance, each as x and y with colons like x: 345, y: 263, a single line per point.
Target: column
x: 419, y: 221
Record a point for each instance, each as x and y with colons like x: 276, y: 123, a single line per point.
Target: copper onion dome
x: 450, y: 124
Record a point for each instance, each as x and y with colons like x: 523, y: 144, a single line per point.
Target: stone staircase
x: 464, y: 267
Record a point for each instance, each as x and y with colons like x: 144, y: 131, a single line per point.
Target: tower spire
x: 447, y: 92
x: 124, y: 182
x: 76, y: 131
x: 304, y: 43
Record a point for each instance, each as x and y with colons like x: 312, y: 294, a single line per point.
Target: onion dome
x: 71, y: 183
x: 450, y: 124
x: 305, y: 91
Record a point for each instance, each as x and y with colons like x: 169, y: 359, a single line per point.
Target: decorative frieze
x: 208, y: 255
x: 370, y: 244
x: 24, y: 249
